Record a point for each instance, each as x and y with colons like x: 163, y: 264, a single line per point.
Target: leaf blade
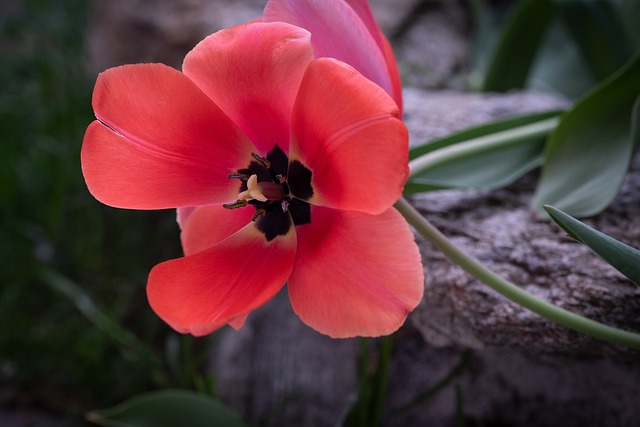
x: 167, y: 408
x: 518, y: 45
x: 599, y: 33
x: 622, y: 257
x: 487, y: 156
x: 587, y: 156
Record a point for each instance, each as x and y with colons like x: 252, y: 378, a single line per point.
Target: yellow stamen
x: 235, y: 205
x: 261, y: 160
x: 260, y: 213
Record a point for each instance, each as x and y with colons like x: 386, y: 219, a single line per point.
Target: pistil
x: 262, y: 191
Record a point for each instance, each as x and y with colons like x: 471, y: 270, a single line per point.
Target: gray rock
x: 435, y: 114
x: 132, y: 31
x: 277, y: 371
x: 504, y: 386
x: 501, y: 230
x: 392, y: 14
x: 434, y: 50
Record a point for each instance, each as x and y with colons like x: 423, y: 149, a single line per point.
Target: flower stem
x: 510, y: 290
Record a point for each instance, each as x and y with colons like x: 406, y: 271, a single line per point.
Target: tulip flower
x: 284, y: 168
x: 346, y: 30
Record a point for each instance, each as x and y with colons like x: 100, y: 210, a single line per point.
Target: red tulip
x: 345, y: 30
x: 283, y: 168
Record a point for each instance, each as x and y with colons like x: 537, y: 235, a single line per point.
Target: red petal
x: 253, y: 72
x: 208, y: 225
x: 202, y: 292
x: 347, y: 132
x: 337, y: 31
x: 355, y: 274
x: 166, y: 144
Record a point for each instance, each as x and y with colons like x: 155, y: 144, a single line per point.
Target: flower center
x: 266, y: 185
x: 262, y: 191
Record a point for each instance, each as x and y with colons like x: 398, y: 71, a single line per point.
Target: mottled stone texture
x: 501, y: 230
x: 519, y: 369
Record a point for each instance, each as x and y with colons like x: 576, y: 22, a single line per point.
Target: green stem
x: 381, y: 380
x: 511, y: 291
x: 481, y: 144
x: 362, y: 412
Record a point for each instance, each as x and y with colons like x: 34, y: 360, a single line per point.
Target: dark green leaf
x: 487, y: 156
x: 629, y: 11
x: 518, y: 45
x: 588, y: 154
x: 559, y: 66
x: 599, y: 33
x: 635, y: 124
x: 623, y: 257
x: 486, y: 32
x: 167, y: 408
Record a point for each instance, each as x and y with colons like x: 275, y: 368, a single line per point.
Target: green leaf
x: 519, y: 43
x: 635, y: 124
x: 623, y: 257
x: 167, y: 408
x: 484, y: 129
x: 630, y: 14
x: 599, y: 33
x: 487, y: 156
x: 588, y: 155
x: 560, y: 66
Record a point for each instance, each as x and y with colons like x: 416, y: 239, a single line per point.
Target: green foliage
x: 623, y: 257
x: 590, y: 47
x: 167, y: 408
x: 518, y: 45
x: 563, y: 45
x: 599, y: 34
x: 486, y: 156
x: 588, y: 155
x: 366, y: 409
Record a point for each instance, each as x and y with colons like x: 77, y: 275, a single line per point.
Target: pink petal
x: 209, y: 225
x: 238, y: 322
x: 337, y: 31
x: 163, y: 143
x: 202, y: 292
x: 355, y: 274
x: 182, y: 214
x: 346, y: 131
x: 361, y: 7
x: 253, y: 72
x: 394, y: 72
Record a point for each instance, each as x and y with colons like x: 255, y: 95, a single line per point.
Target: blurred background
x: 76, y: 331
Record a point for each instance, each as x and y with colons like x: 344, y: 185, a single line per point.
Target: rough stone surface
x: 506, y: 386
x: 519, y: 369
x: 433, y: 45
x: 276, y: 371
x: 501, y: 230
x: 132, y: 31
x: 434, y: 114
